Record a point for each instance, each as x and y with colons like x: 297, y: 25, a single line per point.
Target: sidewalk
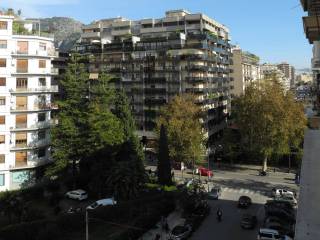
x: 173, y: 219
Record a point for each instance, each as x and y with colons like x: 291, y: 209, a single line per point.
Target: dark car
x: 244, y: 202
x: 215, y: 193
x: 283, y: 226
x: 248, y: 221
x: 282, y: 213
x: 181, y: 232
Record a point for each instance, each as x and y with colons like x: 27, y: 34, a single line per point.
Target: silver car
x: 215, y: 193
x: 181, y: 232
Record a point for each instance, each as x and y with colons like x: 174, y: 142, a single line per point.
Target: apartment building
x: 246, y: 70
x: 288, y: 71
x: 156, y: 59
x: 269, y: 70
x: 312, y: 30
x: 25, y: 101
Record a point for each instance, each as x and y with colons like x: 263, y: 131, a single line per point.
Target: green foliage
x: 164, y: 165
x: 185, y: 138
x: 269, y: 120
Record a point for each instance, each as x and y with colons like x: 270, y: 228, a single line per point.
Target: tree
x: 181, y: 119
x: 164, y: 165
x: 268, y: 119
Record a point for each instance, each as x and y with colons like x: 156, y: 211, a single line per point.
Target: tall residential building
x: 157, y: 59
x: 25, y: 101
x: 271, y: 70
x: 312, y: 30
x: 288, y: 71
x: 246, y: 69
x: 304, y: 78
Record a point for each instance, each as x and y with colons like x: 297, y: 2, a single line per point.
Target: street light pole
x: 87, y: 225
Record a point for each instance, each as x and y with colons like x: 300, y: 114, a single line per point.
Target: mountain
x: 66, y: 31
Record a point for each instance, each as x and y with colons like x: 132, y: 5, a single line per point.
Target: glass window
x: 2, y: 81
x: 41, y: 134
x: 41, y: 152
x: 42, y: 46
x: 22, y: 83
x: 22, y: 47
x: 42, y: 82
x: 3, y: 25
x: 22, y: 65
x: 3, y: 62
x: 42, y: 63
x: 21, y: 102
x: 2, y: 139
x: 2, y: 100
x: 2, y: 158
x: 3, y: 44
x: 21, y: 120
x: 20, y: 176
x: 41, y: 117
x: 1, y: 179
x: 2, y: 119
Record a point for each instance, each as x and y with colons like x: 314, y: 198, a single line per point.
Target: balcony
x: 90, y: 35
x: 153, y: 101
x: 312, y: 27
x: 40, y: 125
x: 36, y: 108
x: 155, y: 91
x: 52, y: 89
x: 29, y: 146
x: 196, y: 79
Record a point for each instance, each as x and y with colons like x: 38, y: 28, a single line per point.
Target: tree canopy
x: 181, y: 119
x: 269, y: 119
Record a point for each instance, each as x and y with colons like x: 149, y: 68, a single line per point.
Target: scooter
x: 219, y: 216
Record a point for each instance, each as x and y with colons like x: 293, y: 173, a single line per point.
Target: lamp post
x: 87, y: 225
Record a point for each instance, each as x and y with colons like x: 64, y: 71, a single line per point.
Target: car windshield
x: 178, y: 230
x: 94, y: 205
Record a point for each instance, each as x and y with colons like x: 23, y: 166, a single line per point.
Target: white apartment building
x: 25, y: 101
x: 268, y: 70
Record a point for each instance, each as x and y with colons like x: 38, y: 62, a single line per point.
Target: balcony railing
x: 34, y: 90
x: 39, y: 125
x: 36, y: 108
x: 32, y: 145
x: 22, y: 70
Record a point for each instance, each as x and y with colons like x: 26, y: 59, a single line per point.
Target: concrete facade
x: 25, y: 102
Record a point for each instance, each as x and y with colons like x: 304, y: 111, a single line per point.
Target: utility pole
x: 87, y: 225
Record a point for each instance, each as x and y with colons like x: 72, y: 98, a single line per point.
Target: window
x: 2, y: 139
x: 41, y: 152
x: 21, y: 120
x: 41, y: 134
x: 22, y: 65
x: 21, y: 139
x: 42, y: 82
x: 21, y: 102
x: 2, y: 81
x: 22, y: 47
x: 20, y: 176
x: 42, y: 46
x: 42, y: 63
x: 3, y: 62
x: 21, y: 159
x: 2, y: 100
x: 3, y: 44
x: 3, y: 25
x: 22, y: 83
x: 2, y: 158
x: 2, y: 119
x: 1, y: 179
x: 41, y: 117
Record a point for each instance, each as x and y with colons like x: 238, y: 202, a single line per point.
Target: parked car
x: 244, y: 202
x: 283, y: 229
x: 215, y: 192
x: 205, y: 172
x: 78, y: 194
x: 102, y: 202
x: 282, y: 213
x: 181, y: 232
x: 279, y: 192
x: 248, y: 221
x: 280, y: 204
x: 270, y: 234
x: 287, y: 198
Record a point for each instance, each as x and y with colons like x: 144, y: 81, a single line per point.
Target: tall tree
x: 181, y: 119
x: 268, y: 119
x: 164, y: 164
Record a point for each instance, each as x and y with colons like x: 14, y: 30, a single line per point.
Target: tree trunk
x: 264, y: 163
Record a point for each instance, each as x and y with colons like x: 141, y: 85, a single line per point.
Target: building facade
x: 246, y: 70
x: 25, y: 101
x: 157, y: 59
x: 269, y: 71
x: 288, y: 71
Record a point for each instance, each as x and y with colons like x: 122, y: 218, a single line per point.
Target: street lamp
x: 87, y: 225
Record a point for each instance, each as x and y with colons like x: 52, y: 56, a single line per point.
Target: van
x: 102, y: 202
x: 270, y: 234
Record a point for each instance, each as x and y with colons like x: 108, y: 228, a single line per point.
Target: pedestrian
x: 172, y: 175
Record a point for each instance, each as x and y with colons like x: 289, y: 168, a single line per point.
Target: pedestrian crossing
x: 245, y: 191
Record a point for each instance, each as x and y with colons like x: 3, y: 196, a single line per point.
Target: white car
x: 280, y: 192
x: 78, y: 194
x: 270, y: 234
x: 288, y: 198
x: 102, y: 202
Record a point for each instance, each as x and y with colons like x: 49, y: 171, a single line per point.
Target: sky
x: 271, y: 29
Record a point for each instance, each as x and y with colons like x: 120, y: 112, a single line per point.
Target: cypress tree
x: 164, y: 165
